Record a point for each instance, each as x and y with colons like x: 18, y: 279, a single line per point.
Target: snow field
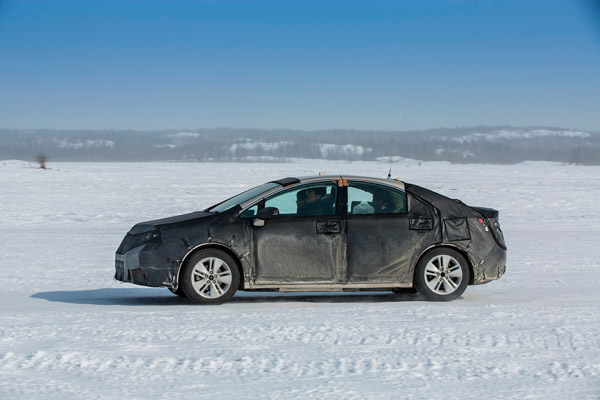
x: 68, y: 330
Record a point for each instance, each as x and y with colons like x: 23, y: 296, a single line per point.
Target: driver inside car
x: 313, y: 201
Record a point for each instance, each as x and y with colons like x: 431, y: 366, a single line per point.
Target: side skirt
x: 325, y: 287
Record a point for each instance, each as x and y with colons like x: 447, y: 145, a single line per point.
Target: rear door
x: 380, y: 241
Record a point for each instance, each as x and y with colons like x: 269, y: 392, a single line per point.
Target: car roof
x: 316, y: 178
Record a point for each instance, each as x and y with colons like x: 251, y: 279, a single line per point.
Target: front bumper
x: 140, y: 266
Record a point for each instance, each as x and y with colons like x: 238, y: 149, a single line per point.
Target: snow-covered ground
x: 68, y: 330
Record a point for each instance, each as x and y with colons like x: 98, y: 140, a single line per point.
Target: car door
x: 305, y: 244
x: 380, y: 240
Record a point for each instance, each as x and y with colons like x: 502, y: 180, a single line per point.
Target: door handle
x: 329, y: 227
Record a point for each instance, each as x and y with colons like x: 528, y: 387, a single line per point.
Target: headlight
x: 151, y: 236
x: 131, y: 241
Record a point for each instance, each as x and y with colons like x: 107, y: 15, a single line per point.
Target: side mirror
x: 265, y: 214
x: 268, y: 213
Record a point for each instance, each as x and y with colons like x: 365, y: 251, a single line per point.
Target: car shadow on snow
x: 114, y: 296
x: 163, y: 297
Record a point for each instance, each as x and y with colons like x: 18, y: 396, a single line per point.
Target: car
x: 319, y: 233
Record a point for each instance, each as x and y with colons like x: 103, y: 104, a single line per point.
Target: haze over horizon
x: 303, y: 65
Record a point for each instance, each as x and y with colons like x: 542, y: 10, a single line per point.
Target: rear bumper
x: 490, y: 268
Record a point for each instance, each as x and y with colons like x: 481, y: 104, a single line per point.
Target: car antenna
x: 390, y: 174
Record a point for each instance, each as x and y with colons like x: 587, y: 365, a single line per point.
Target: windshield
x: 242, y: 197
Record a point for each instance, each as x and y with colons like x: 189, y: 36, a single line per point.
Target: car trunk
x: 492, y: 218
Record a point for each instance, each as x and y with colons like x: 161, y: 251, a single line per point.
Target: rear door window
x: 371, y: 198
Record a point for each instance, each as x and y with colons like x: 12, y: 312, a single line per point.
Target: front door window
x: 308, y: 200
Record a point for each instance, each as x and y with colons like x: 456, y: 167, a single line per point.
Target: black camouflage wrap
x: 337, y: 252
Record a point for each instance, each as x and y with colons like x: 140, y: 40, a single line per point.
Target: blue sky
x: 299, y: 64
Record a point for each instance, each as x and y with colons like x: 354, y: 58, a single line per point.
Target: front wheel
x: 210, y: 277
x: 442, y: 275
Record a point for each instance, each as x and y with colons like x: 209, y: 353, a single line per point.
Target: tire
x: 442, y: 274
x: 178, y: 292
x: 210, y: 276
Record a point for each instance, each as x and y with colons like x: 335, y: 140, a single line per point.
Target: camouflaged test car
x: 319, y: 233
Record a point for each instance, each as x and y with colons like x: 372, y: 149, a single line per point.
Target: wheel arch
x: 461, y: 251
x: 216, y: 246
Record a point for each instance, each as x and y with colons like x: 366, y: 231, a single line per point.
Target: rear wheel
x: 210, y: 277
x: 442, y: 275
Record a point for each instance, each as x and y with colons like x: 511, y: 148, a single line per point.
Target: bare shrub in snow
x: 42, y: 159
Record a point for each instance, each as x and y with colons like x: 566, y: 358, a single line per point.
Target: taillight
x: 498, y: 235
x: 482, y: 222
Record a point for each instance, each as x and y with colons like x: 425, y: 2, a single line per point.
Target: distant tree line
x: 483, y: 144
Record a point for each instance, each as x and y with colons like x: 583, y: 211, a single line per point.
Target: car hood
x: 157, y: 223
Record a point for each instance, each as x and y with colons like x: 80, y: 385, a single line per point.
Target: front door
x: 306, y: 243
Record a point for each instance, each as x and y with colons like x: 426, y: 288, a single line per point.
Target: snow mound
x: 17, y: 164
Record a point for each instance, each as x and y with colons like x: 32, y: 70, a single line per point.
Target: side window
x: 369, y: 198
x: 306, y: 200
